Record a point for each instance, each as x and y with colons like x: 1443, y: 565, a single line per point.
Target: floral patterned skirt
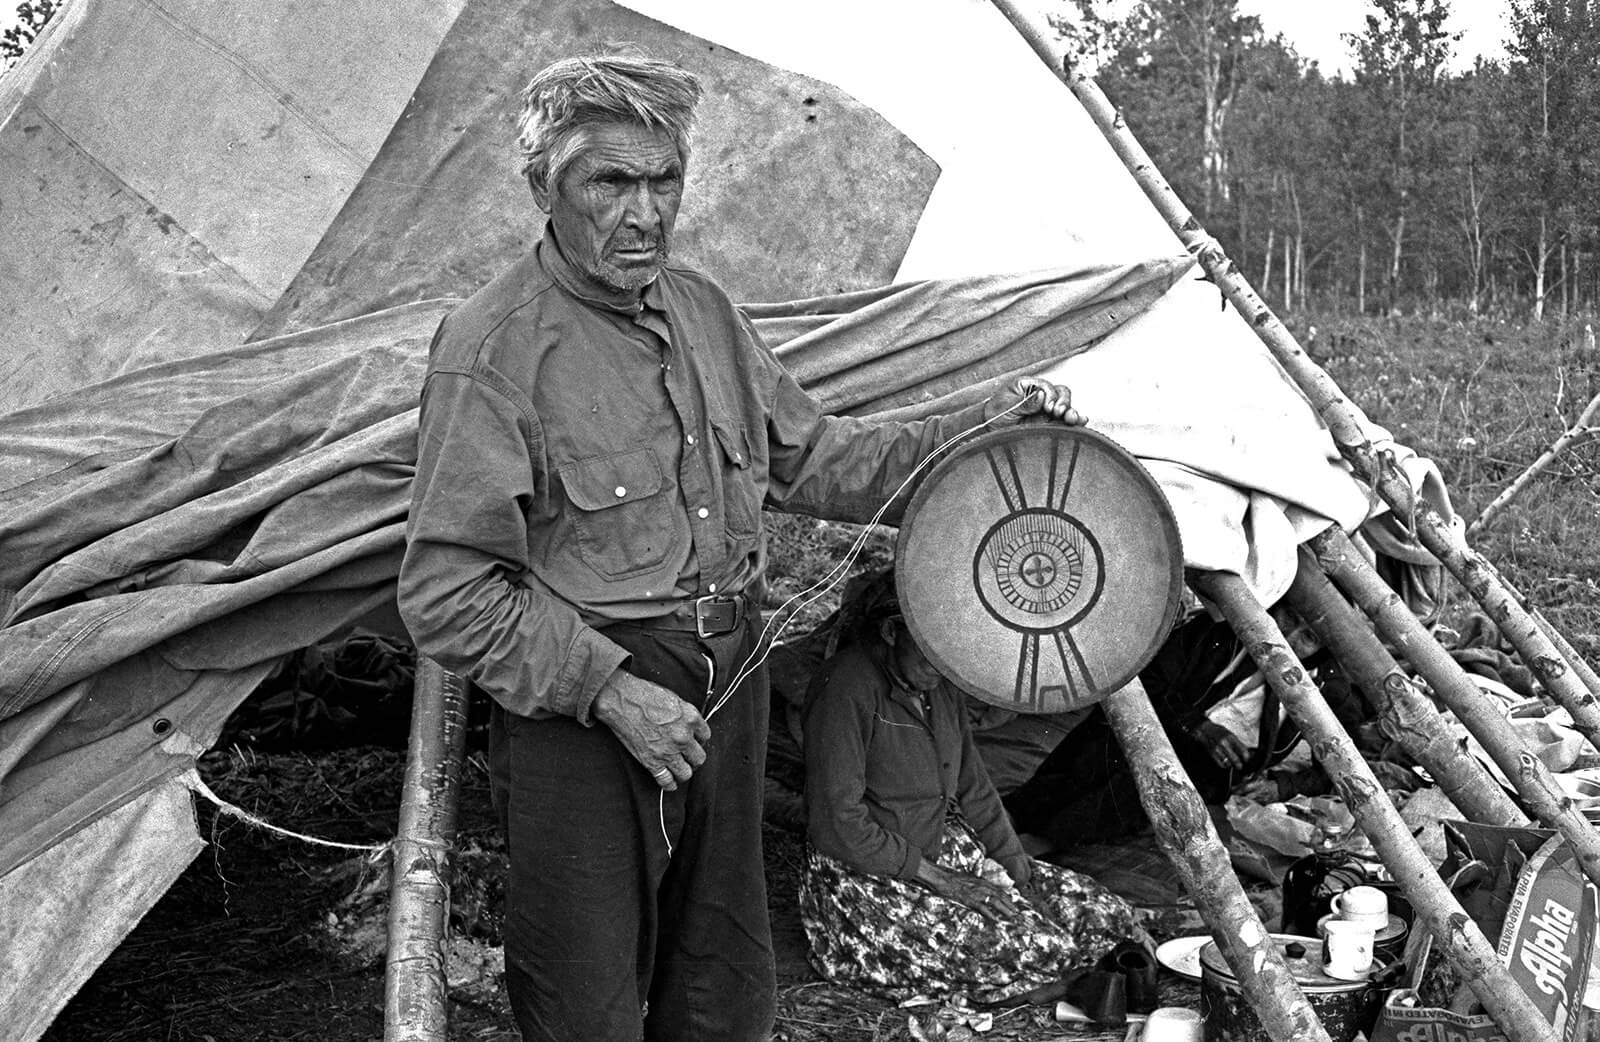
x: 897, y: 939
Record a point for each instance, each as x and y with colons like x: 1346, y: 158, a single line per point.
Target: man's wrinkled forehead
x: 626, y: 149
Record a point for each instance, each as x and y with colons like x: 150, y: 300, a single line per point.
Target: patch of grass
x: 804, y: 553
x: 1483, y: 399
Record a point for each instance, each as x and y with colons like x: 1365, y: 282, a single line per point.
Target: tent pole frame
x: 1185, y: 833
x: 1408, y: 716
x: 1378, y: 468
x: 1349, y: 570
x: 1459, y: 936
x: 416, y: 1000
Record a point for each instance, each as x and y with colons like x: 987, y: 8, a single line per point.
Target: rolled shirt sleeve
x: 464, y: 588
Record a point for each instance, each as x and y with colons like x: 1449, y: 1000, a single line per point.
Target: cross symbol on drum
x: 1038, y: 571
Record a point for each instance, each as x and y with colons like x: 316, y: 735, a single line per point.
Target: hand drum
x: 1039, y: 567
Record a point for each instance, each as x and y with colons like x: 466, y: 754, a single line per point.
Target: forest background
x: 1409, y: 184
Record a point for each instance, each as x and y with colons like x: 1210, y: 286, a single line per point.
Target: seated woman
x: 915, y: 882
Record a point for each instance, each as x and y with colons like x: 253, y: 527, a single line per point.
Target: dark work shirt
x: 881, y: 776
x: 583, y: 461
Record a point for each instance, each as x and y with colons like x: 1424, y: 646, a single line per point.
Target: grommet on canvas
x: 162, y: 727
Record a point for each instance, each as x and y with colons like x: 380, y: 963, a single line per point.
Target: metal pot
x: 1344, y: 1007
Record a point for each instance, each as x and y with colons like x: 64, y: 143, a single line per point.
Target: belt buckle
x: 715, y: 615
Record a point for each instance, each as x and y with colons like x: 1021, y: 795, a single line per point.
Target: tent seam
x: 36, y: 679
x: 149, y: 204
x: 250, y: 69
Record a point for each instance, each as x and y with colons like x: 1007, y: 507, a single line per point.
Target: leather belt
x: 709, y: 616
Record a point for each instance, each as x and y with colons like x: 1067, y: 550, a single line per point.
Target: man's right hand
x: 661, y: 730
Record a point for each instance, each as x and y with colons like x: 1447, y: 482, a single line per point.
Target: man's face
x: 614, y: 206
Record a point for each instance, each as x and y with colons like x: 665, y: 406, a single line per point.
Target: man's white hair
x: 565, y: 99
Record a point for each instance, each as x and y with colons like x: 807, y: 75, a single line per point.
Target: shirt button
x: 621, y: 491
x: 703, y: 513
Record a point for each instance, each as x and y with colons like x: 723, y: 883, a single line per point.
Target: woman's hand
x: 1020, y: 869
x: 989, y: 900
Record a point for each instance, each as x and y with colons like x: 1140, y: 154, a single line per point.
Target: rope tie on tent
x: 1201, y: 243
x: 200, y: 788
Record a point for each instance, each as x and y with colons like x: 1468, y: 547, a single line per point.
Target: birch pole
x: 415, y: 999
x: 1186, y: 834
x: 1476, y: 711
x: 1460, y: 938
x: 1407, y: 715
x: 1586, y: 673
x: 1377, y: 467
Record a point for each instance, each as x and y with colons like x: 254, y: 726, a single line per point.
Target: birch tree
x: 1400, y: 56
x: 1553, y: 88
x: 1175, y: 68
x: 30, y: 21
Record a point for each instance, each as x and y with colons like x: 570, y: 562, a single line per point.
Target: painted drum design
x: 1039, y: 567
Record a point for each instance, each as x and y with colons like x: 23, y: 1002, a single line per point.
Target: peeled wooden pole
x: 1185, y: 833
x: 1476, y: 710
x: 415, y: 1000
x: 1344, y: 423
x: 1585, y: 672
x: 1462, y: 942
x: 1408, y: 716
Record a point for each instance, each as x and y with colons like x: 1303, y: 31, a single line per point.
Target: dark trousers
x: 633, y: 913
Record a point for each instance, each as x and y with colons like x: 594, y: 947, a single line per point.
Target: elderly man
x: 599, y: 434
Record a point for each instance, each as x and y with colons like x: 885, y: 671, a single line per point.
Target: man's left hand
x: 1043, y: 398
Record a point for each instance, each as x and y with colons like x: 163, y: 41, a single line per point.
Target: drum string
x: 837, y: 574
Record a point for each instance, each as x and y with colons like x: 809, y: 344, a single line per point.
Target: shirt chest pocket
x: 621, y: 517
x: 741, y: 495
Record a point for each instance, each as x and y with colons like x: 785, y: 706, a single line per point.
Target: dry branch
x: 1185, y: 833
x: 1408, y: 716
x: 1344, y: 422
x: 415, y: 1007
x: 1476, y: 710
x: 1460, y: 938
x: 1580, y: 432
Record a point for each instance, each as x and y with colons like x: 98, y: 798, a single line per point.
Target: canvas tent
x: 228, y: 229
